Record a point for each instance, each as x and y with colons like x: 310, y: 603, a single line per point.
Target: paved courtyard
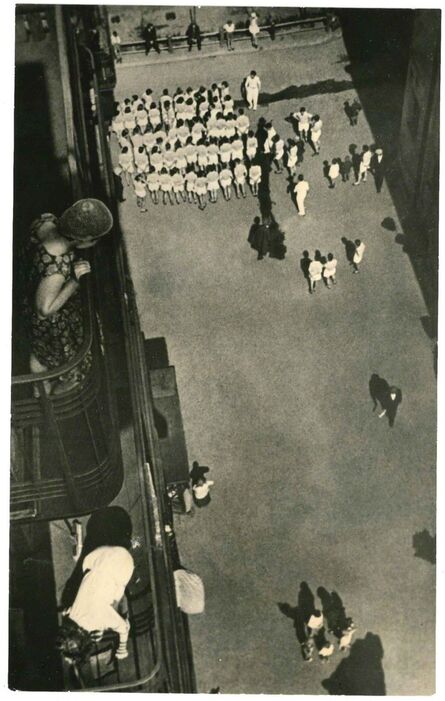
x: 309, y: 484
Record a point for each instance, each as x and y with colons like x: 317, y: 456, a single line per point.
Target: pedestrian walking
x: 116, y: 47
x: 334, y: 172
x: 198, y: 472
x: 345, y: 168
x: 330, y: 271
x: 278, y: 152
x: 365, y: 163
x: 201, y: 492
x: 358, y: 254
x: 315, y: 134
x: 254, y: 29
x: 252, y: 87
x: 390, y: 404
x: 193, y: 35
x: 346, y: 637
x: 151, y: 38
x: 352, y: 111
x: 378, y: 168
x: 229, y: 29
x: 301, y: 189
x: 315, y: 272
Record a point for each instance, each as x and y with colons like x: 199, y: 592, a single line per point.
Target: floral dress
x: 56, y: 338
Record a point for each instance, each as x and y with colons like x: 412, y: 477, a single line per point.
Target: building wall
x: 419, y: 130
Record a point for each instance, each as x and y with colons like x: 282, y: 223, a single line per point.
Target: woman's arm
x: 54, y: 291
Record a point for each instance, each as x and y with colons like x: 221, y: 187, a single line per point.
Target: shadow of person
x: 294, y: 613
x: 277, y: 249
x: 327, y: 608
x: 305, y: 262
x: 306, y: 601
x: 355, y: 158
x: 349, y: 248
x: 326, y: 166
x: 261, y: 133
x: 109, y: 526
x: 361, y: 673
x: 338, y: 615
x: 378, y: 389
x: 424, y: 545
x: 253, y: 232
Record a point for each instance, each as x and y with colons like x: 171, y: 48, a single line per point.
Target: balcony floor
x: 309, y: 483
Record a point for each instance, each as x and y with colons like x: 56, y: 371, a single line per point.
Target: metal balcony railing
x: 65, y: 456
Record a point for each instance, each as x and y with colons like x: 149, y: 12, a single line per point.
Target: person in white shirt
x: 358, y: 254
x: 364, y: 166
x: 229, y: 29
x: 315, y: 134
x: 334, y: 172
x: 201, y: 492
x: 254, y: 29
x: 315, y: 272
x: 315, y: 622
x: 301, y: 189
x: 108, y: 569
x: 330, y: 270
x: 242, y: 123
x: 303, y: 119
x: 116, y: 47
x: 271, y: 133
x: 253, y: 87
x: 278, y: 153
x: 346, y: 637
x: 240, y: 172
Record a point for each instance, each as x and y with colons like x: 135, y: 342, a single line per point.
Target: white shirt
x: 315, y: 622
x: 107, y: 572
x: 366, y: 158
x: 301, y: 188
x: 334, y: 170
x: 315, y: 270
x: 229, y: 27
x: 201, y: 490
x: 253, y: 83
x: 359, y: 251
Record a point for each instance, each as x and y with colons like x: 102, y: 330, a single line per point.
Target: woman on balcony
x: 53, y: 306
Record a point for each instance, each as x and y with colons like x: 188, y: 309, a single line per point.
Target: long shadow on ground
x: 361, y: 673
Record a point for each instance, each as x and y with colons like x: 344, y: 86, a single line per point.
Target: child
x: 153, y: 183
x: 292, y: 157
x: 117, y: 124
x: 240, y: 178
x: 141, y: 117
x: 129, y: 119
x: 125, y: 139
x: 227, y: 105
x: 147, y: 96
x: 201, y: 192
x: 126, y: 163
x: 148, y: 138
x: 224, y: 89
x: 201, y: 150
x: 221, y: 126
x: 166, y: 186
x: 254, y: 178
x: 251, y: 146
x: 358, y: 255
x: 333, y: 173
x: 242, y: 123
x: 315, y: 134
x: 330, y: 271
x: 164, y: 99
x: 156, y: 159
x: 237, y: 150
x: 140, y: 189
x: 136, y: 138
x: 191, y: 152
x: 225, y: 179
x: 168, y: 115
x: 181, y: 112
x: 190, y: 183
x: 230, y: 126
x: 178, y: 185
x: 181, y: 160
x: 189, y: 111
x: 203, y: 107
x: 214, y: 94
x: 212, y: 183
x: 268, y: 144
x: 183, y: 132
x: 169, y: 157
x: 197, y: 130
x: 225, y: 152
x: 278, y: 153
x: 213, y: 153
x: 141, y: 160
x: 154, y: 115
x: 345, y: 168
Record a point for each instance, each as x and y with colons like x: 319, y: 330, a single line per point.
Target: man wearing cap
x: 378, y: 163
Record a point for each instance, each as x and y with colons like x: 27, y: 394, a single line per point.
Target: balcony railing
x: 65, y: 457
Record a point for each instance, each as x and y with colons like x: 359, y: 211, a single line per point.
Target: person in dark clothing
x: 390, y: 404
x: 300, y: 151
x: 378, y: 389
x: 198, y: 472
x: 193, y: 35
x: 352, y: 111
x: 272, y: 29
x: 151, y: 38
x: 378, y: 163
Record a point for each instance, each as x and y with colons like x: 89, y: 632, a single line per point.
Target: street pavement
x: 309, y: 484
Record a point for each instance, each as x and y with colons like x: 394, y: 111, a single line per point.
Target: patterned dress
x: 57, y: 338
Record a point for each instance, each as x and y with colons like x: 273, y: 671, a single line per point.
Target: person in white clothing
x: 315, y: 272
x: 303, y: 120
x: 315, y: 134
x: 253, y: 87
x: 315, y: 622
x: 358, y: 254
x: 254, y: 29
x: 201, y: 492
x: 229, y: 29
x: 365, y: 164
x: 301, y: 189
x: 334, y: 172
x: 346, y: 637
x: 330, y: 270
x: 107, y: 571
